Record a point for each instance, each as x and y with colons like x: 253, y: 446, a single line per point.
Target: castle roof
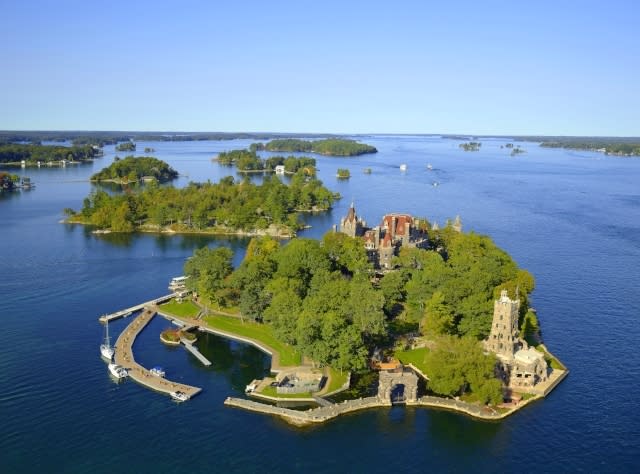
x: 399, y: 219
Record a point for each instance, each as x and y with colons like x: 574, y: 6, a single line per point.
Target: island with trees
x: 132, y: 169
x: 328, y: 301
x: 328, y: 146
x: 126, y: 146
x: 470, y: 146
x: 608, y: 147
x: 248, y: 161
x: 343, y: 173
x: 226, y: 207
x: 32, y: 155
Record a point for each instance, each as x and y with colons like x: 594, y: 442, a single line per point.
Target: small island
x: 149, y: 149
x: 328, y: 146
x: 343, y: 173
x: 225, y: 208
x: 11, y: 182
x: 132, y: 169
x: 248, y: 161
x: 470, y: 146
x: 126, y: 146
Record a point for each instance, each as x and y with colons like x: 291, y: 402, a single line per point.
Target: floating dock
x: 107, y: 318
x: 194, y: 350
x: 124, y: 356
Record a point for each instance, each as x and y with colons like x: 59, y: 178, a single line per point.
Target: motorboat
x: 251, y: 387
x: 429, y: 167
x: 118, y: 371
x: 403, y: 167
x: 106, y: 350
x: 179, y: 396
x: 157, y: 371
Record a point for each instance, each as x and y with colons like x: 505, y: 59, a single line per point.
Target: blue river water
x: 571, y: 218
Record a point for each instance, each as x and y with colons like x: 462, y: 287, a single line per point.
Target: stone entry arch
x: 391, y: 379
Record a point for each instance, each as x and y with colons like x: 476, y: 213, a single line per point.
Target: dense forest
x: 132, y: 169
x: 324, y: 298
x: 224, y: 207
x: 15, y: 153
x: 328, y: 146
x: 248, y: 160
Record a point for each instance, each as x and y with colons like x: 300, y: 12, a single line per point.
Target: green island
x: 343, y: 173
x: 470, y: 146
x: 609, y: 147
x: 226, y: 207
x: 132, y: 169
x: 327, y: 146
x: 248, y: 161
x: 32, y: 155
x: 437, y: 317
x: 126, y: 146
x: 330, y: 302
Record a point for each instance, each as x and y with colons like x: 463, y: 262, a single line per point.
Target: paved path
x: 125, y: 312
x: 124, y: 356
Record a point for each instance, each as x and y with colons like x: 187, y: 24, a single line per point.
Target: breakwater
x: 124, y: 356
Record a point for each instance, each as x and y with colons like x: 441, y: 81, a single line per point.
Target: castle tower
x: 503, y: 339
x: 351, y: 225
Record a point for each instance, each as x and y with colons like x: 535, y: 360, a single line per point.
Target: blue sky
x: 489, y: 67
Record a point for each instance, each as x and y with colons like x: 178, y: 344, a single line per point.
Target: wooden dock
x: 107, y: 318
x: 124, y: 356
x: 194, y: 350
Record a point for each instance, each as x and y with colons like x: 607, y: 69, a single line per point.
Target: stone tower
x: 351, y: 224
x: 503, y: 339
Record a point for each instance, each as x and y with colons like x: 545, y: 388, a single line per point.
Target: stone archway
x: 392, y: 379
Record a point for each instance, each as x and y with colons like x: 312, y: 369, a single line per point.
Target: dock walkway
x: 107, y: 318
x: 124, y: 356
x: 194, y: 350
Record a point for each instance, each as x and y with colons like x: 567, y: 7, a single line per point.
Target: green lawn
x: 186, y: 309
x: 413, y: 356
x: 258, y: 332
x: 337, y: 379
x: 270, y: 391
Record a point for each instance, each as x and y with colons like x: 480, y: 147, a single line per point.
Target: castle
x: 519, y: 366
x: 384, y: 241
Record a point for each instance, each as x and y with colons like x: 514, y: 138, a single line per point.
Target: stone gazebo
x: 391, y: 379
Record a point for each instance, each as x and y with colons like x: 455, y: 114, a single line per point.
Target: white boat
x: 403, y: 167
x: 429, y: 167
x: 179, y: 396
x: 118, y: 371
x: 251, y: 387
x: 105, y: 348
x: 157, y: 371
x: 178, y: 283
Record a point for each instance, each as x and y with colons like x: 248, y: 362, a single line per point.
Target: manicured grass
x: 414, y: 356
x: 186, y: 309
x: 337, y: 379
x: 270, y: 391
x: 259, y: 332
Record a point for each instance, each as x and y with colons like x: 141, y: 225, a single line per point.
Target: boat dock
x: 194, y: 350
x: 107, y: 318
x: 124, y: 356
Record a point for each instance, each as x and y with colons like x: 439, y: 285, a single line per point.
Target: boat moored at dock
x: 179, y: 396
x: 118, y: 371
